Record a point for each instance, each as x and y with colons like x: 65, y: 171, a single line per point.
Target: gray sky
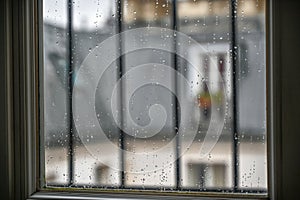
x: 88, y: 14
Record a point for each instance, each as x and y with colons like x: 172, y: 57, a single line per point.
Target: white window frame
x: 19, y: 144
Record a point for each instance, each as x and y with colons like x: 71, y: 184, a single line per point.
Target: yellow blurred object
x: 146, y: 10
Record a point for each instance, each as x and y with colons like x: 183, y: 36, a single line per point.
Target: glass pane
x: 56, y: 117
x: 208, y: 163
x: 251, y: 43
x: 144, y: 166
x: 155, y: 95
x: 74, y: 161
x: 93, y: 23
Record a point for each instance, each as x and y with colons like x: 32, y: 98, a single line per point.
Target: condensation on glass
x: 230, y: 73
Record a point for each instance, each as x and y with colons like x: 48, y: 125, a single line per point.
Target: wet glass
x: 70, y: 34
x: 251, y: 92
x: 55, y: 102
x: 93, y: 22
x: 154, y: 94
x: 210, y: 75
x: 144, y: 168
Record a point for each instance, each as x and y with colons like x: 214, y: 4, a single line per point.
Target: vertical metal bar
x: 178, y: 174
x: 234, y: 55
x: 121, y: 71
x: 70, y: 92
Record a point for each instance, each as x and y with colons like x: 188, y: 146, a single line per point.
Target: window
x: 19, y: 116
x: 154, y: 95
